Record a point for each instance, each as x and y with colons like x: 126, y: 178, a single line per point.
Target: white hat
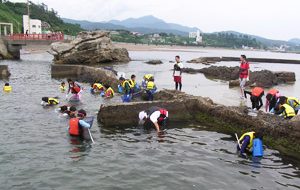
x: 142, y: 115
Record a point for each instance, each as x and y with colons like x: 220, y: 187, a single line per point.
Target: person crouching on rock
x: 256, y: 97
x: 151, y: 89
x: 97, y: 88
x: 285, y: 110
x: 155, y: 116
x: 68, y: 111
x: 77, y: 124
x: 109, y: 92
x: 245, y: 142
x: 271, y: 100
x: 126, y: 89
x: 46, y: 101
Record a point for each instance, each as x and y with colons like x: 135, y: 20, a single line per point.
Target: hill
x: 295, y: 41
x: 12, y: 13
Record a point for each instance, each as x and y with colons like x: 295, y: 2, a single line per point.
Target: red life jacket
x: 273, y: 92
x: 74, y: 126
x: 76, y: 89
x: 257, y: 91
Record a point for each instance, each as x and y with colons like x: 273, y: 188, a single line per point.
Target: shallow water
x: 36, y: 152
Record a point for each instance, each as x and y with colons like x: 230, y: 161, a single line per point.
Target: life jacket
x: 150, y: 85
x: 7, y: 88
x: 251, y: 135
x: 74, y: 127
x: 75, y: 89
x: 53, y: 101
x: 98, y: 86
x: 109, y: 92
x: 257, y: 91
x: 126, y: 82
x: 295, y: 100
x: 273, y: 92
x: 163, y: 112
x: 148, y: 76
x: 132, y: 83
x: 289, y: 111
x: 245, y: 67
x: 62, y: 88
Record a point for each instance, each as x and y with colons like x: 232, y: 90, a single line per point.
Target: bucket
x: 257, y: 150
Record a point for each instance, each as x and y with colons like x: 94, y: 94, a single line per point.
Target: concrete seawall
x: 85, y: 74
x: 4, y: 72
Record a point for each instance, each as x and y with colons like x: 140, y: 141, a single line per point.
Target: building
x: 35, y: 25
x: 197, y: 36
x: 192, y: 34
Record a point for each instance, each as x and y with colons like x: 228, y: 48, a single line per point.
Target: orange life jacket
x: 74, y: 126
x: 257, y: 91
x: 273, y: 92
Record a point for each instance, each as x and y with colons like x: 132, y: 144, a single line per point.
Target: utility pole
x: 28, y: 13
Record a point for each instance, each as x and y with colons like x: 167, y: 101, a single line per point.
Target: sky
x: 274, y: 19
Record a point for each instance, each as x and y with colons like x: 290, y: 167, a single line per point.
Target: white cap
x: 142, y: 115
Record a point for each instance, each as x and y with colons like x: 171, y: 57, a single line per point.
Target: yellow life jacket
x: 112, y: 91
x: 289, y: 111
x: 53, y: 101
x: 7, y: 88
x: 251, y: 135
x: 296, y: 101
x: 148, y: 76
x: 132, y: 83
x: 150, y: 85
x: 63, y: 88
x: 126, y: 82
x: 98, y: 86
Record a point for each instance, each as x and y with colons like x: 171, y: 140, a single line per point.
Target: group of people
x: 285, y: 106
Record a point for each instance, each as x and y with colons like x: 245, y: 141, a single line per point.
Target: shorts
x: 243, y: 82
x: 177, y: 79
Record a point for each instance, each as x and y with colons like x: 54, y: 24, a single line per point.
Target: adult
x: 244, y: 73
x: 155, y: 116
x: 271, y: 100
x: 177, y: 73
x: 77, y: 124
x: 74, y: 87
x: 256, y: 95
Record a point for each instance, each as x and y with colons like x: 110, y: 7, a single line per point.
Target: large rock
x: 89, y: 48
x: 206, y: 60
x: 154, y: 62
x: 4, y: 72
x: 4, y: 54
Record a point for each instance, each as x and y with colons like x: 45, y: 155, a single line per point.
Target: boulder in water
x: 154, y: 62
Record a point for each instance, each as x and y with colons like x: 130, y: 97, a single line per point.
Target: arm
x: 84, y: 124
x: 246, y: 141
x: 280, y: 111
x: 267, y: 105
x: 246, y: 92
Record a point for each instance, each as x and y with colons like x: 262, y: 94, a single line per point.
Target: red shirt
x: 244, y: 70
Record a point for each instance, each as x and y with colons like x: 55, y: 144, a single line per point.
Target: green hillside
x: 12, y: 13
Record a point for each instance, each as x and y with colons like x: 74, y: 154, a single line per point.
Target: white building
x: 35, y: 25
x: 197, y: 36
x: 192, y: 34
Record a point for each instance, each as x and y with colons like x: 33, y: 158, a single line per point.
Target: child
x: 46, y: 101
x: 7, y: 88
x: 63, y: 87
x: 151, y: 89
x: 109, y: 92
x: 97, y: 88
x: 68, y: 111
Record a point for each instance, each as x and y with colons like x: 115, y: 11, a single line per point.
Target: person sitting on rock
x: 146, y: 79
x: 46, y: 101
x: 246, y: 141
x: 97, y: 88
x: 62, y: 87
x: 7, y: 88
x: 285, y: 110
x: 109, y: 92
x: 271, y: 100
x: 68, y: 111
x: 256, y: 97
x: 133, y: 83
x: 74, y: 87
x: 126, y: 89
x: 151, y: 89
x: 155, y: 116
x: 77, y: 124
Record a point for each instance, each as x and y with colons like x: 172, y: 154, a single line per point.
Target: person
x: 133, y: 83
x: 271, y: 100
x: 285, y: 110
x: 154, y: 115
x: 46, y: 101
x: 7, y: 87
x: 177, y: 73
x: 77, y: 124
x: 146, y: 78
x: 68, y: 111
x: 62, y: 87
x: 151, y: 89
x: 74, y: 87
x: 97, y: 88
x: 126, y: 89
x: 294, y: 103
x: 245, y: 142
x: 109, y: 92
x: 244, y: 73
x: 256, y: 97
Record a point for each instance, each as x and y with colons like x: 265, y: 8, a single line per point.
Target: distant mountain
x: 146, y: 24
x: 295, y: 41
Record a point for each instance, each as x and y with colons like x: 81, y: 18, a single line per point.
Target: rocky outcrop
x: 279, y: 133
x: 4, y: 72
x: 154, y: 62
x: 211, y: 60
x: 89, y: 48
x: 262, y: 78
x: 4, y: 54
x: 85, y: 74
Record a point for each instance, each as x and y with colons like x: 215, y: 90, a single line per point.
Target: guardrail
x: 51, y: 36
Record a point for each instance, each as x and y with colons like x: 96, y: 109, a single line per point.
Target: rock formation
x: 4, y: 54
x: 89, y: 48
x: 4, y: 72
x: 154, y: 62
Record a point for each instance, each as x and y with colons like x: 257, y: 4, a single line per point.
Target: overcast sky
x: 276, y: 19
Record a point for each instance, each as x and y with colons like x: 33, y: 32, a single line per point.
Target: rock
x: 154, y: 62
x: 222, y: 72
x: 205, y: 60
x: 4, y: 72
x: 4, y: 54
x: 285, y: 77
x: 85, y: 74
x: 89, y: 48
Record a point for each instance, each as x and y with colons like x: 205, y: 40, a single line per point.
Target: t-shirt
x: 155, y: 115
x: 244, y: 70
x: 178, y: 69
